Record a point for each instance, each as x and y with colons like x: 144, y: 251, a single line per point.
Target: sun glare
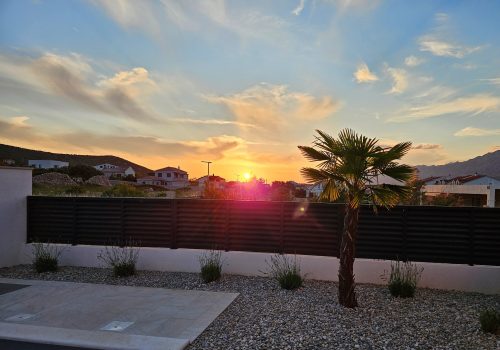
x: 247, y: 176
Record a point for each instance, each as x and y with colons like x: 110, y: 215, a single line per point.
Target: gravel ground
x: 266, y: 317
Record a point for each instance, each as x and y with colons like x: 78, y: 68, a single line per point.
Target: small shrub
x: 403, y: 279
x: 45, y: 257
x: 211, y: 265
x: 123, y: 190
x: 75, y: 190
x: 286, y: 271
x: 121, y: 259
x: 490, y: 321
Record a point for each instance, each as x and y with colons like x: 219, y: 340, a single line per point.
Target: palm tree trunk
x: 347, y: 296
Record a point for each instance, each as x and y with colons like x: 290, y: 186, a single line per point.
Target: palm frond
x: 399, y: 172
x: 313, y: 154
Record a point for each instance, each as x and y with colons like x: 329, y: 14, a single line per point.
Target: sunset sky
x: 242, y: 83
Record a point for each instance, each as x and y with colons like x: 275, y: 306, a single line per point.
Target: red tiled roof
x: 169, y: 168
x: 465, y: 179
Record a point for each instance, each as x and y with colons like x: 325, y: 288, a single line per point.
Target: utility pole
x: 208, y: 171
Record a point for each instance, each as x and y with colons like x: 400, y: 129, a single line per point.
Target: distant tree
x: 351, y: 164
x: 83, y: 171
x: 445, y: 200
x: 281, y: 191
x: 415, y: 186
x: 300, y: 193
x: 130, y: 178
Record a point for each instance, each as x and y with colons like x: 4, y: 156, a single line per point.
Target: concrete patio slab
x: 83, y: 309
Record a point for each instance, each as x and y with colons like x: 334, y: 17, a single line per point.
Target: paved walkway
x: 106, y: 316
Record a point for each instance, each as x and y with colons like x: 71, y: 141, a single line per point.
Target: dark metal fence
x: 434, y: 234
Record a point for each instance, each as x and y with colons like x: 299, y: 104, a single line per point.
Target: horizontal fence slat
x: 418, y: 233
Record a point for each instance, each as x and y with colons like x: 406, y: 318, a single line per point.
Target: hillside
x: 488, y: 164
x: 22, y: 155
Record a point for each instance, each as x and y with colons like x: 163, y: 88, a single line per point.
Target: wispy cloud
x: 215, y: 146
x: 427, y: 146
x: 442, y: 48
x: 154, y: 17
x: 271, y: 106
x: 473, y: 105
x: 413, y: 61
x: 73, y: 77
x: 470, y: 131
x: 493, y: 81
x: 364, y: 75
x: 439, y: 42
x: 212, y: 122
x: 399, y: 80
x: 300, y: 6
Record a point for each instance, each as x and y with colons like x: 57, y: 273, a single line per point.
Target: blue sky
x: 243, y: 83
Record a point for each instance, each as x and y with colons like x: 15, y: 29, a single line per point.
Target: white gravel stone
x: 267, y: 317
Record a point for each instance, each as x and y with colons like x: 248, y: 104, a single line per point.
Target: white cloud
x: 493, y: 81
x: 213, y: 122
x: 427, y: 146
x: 470, y: 131
x: 465, y: 66
x: 19, y: 121
x: 399, y: 79
x: 132, y: 14
x: 413, y: 61
x: 438, y: 47
x: 300, y: 6
x: 364, y: 75
x: 435, y: 93
x: 473, y: 105
x: 272, y: 107
x: 74, y: 78
x: 154, y: 18
x: 355, y: 4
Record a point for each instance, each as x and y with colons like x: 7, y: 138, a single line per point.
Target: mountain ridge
x: 21, y: 156
x: 486, y: 164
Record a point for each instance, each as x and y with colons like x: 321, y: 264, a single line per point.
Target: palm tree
x: 350, y: 166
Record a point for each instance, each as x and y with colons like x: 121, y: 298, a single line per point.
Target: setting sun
x: 247, y: 176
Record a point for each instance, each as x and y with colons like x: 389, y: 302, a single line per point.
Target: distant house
x: 117, y: 171
x: 151, y: 180
x: 216, y: 182
x: 314, y: 190
x: 476, y: 189
x: 174, y: 177
x: 105, y: 166
x: 8, y: 162
x: 47, y: 164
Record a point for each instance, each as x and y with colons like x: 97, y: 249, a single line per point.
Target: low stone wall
x: 483, y: 279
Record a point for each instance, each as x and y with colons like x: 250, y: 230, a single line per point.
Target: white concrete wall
x: 15, y: 185
x: 483, y: 279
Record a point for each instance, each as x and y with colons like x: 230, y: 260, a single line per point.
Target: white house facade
x: 105, y: 166
x: 478, y: 185
x: 151, y: 180
x: 173, y: 177
x: 47, y: 164
x: 118, y: 172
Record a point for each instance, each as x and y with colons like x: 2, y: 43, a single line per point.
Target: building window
x: 176, y: 175
x: 169, y: 175
x: 160, y: 174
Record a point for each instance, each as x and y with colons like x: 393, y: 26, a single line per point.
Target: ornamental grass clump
x: 46, y: 257
x: 121, y: 259
x: 210, y: 265
x: 404, y: 278
x: 285, y: 270
x: 490, y: 321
